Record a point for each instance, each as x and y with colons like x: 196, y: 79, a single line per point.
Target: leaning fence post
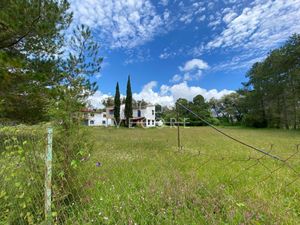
x: 48, y: 176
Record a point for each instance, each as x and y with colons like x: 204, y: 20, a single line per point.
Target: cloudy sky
x: 174, y: 48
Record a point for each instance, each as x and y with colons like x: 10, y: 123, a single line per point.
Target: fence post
x: 178, y: 129
x: 48, y: 176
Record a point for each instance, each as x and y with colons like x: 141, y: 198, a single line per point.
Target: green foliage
x: 117, y: 104
x: 273, y: 90
x: 72, y: 149
x: 75, y: 87
x: 21, y: 175
x: 230, y: 109
x: 128, y: 102
x: 30, y: 40
x: 22, y: 168
x: 198, y: 106
x: 108, y: 102
x: 270, y: 98
x: 32, y: 25
x: 36, y: 76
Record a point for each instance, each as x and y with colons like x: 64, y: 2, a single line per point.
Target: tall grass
x: 138, y: 176
x: 21, y: 175
x: 143, y: 179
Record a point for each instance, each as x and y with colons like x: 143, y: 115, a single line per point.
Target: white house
x: 143, y: 116
x: 96, y: 118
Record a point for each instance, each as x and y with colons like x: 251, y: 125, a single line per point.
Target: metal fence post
x: 48, y: 176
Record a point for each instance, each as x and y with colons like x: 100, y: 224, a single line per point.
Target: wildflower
x: 98, y: 164
x: 105, y: 218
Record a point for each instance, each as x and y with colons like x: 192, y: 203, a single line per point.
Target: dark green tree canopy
x: 128, y: 102
x: 36, y: 78
x: 117, y: 104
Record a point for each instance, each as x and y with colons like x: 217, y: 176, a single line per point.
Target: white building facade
x: 95, y: 118
x: 142, y: 116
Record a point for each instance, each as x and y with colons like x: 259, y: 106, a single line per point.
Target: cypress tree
x: 128, y: 102
x: 117, y: 105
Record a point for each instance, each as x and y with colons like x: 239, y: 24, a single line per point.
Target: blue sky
x: 177, y: 48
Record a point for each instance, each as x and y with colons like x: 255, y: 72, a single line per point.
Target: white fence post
x: 48, y: 176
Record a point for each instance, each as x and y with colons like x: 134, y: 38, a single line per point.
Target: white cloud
x: 193, y: 64
x: 96, y: 99
x: 176, y: 78
x: 166, y: 95
x: 164, y: 2
x: 229, y: 17
x: 149, y: 95
x: 201, y: 18
x: 182, y: 90
x: 189, y: 12
x: 262, y: 26
x: 124, y: 23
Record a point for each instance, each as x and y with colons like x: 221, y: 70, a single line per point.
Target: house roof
x: 133, y: 107
x: 92, y: 110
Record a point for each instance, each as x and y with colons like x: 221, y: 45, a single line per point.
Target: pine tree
x: 128, y: 102
x: 117, y: 104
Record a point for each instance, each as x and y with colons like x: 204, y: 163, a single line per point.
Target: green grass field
x: 144, y: 179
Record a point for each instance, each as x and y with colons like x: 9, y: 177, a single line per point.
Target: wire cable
x: 231, y: 137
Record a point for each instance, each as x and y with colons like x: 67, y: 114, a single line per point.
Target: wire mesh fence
x: 22, y: 176
x: 139, y: 176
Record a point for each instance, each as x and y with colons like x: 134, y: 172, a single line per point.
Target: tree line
x: 270, y: 97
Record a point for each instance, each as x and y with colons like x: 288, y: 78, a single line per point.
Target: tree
x: 201, y: 108
x: 198, y: 106
x: 232, y: 107
x: 139, y: 103
x: 272, y: 90
x: 31, y: 38
x: 31, y: 24
x: 117, y: 104
x: 75, y: 85
x: 108, y: 102
x: 128, y: 102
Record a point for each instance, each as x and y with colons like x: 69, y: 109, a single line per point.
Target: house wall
x: 98, y: 119
x: 148, y: 113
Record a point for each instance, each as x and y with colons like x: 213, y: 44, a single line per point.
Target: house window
x: 149, y: 122
x: 152, y: 122
x: 104, y: 115
x: 103, y: 122
x: 92, y: 122
x: 139, y: 113
x: 152, y: 112
x: 111, y: 112
x: 92, y: 115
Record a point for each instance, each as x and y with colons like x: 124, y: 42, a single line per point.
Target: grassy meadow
x: 144, y: 179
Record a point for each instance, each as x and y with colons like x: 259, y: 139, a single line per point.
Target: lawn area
x: 144, y: 179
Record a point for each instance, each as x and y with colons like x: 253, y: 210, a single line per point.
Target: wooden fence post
x: 48, y: 176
